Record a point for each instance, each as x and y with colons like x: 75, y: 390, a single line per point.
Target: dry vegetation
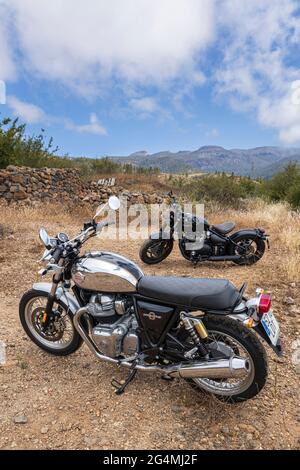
x: 70, y: 400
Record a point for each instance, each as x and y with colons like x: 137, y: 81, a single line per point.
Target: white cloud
x: 87, y: 42
x: 100, y: 47
x: 93, y: 127
x: 256, y: 74
x: 27, y: 112
x: 146, y: 104
x: 7, y: 66
x: 32, y: 114
x: 2, y: 92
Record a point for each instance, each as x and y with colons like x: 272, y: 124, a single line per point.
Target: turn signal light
x: 264, y: 303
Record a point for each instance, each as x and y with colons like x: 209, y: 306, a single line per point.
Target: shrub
x: 284, y: 186
x: 221, y: 188
x: 18, y: 149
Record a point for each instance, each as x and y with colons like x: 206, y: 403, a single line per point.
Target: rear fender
x: 278, y: 349
x: 248, y: 233
x: 61, y: 294
x: 259, y: 329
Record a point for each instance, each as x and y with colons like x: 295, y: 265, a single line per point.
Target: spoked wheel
x: 250, y: 249
x: 59, y: 337
x: 228, y: 338
x: 155, y: 251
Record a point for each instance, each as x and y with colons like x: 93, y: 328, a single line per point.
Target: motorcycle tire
x: 160, y: 255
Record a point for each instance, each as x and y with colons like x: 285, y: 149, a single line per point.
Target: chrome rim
x: 60, y: 332
x: 225, y: 346
x: 156, y: 250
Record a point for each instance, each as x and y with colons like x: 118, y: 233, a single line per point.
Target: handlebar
x: 57, y: 254
x: 104, y: 223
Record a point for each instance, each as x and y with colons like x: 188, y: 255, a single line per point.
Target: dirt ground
x: 69, y: 403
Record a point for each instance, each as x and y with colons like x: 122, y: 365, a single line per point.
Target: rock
x: 295, y: 310
x: 32, y: 186
x: 90, y: 441
x: 20, y: 195
x: 17, y: 178
x: 20, y: 419
x: 288, y: 300
x: 44, y: 430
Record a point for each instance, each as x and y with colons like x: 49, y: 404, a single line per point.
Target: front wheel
x: 155, y: 251
x: 227, y: 338
x: 60, y: 337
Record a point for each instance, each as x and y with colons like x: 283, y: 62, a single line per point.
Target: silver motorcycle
x: 204, y: 331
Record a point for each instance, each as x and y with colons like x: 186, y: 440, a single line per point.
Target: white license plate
x: 271, y: 327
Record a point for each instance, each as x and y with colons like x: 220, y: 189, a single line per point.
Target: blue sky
x: 111, y: 78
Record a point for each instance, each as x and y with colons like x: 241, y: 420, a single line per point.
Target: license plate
x: 271, y: 327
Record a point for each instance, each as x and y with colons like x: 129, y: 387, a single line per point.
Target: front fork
x: 47, y: 314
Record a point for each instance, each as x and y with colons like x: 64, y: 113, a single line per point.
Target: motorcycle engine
x: 197, y: 247
x: 115, y: 330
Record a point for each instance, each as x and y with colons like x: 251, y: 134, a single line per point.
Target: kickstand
x: 120, y: 388
x: 195, y: 263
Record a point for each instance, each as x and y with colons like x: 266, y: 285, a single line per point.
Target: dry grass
x: 282, y: 224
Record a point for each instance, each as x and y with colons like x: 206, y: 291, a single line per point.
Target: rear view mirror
x: 45, y: 239
x: 114, y: 203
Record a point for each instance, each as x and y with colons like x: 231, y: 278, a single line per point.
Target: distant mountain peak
x: 139, y: 153
x: 210, y: 148
x: 211, y: 158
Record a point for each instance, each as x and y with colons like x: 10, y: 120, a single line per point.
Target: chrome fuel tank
x: 106, y: 272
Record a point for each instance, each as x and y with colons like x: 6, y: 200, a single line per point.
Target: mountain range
x: 259, y: 161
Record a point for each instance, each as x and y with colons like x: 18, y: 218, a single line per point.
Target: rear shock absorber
x: 197, y: 331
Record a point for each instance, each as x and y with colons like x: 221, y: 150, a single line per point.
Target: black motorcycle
x: 212, y: 243
x: 204, y: 331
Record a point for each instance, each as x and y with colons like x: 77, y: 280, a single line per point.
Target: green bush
x: 221, y: 188
x: 18, y: 149
x: 284, y: 186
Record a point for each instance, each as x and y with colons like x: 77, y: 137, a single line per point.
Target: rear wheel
x: 155, y: 251
x: 251, y: 249
x: 60, y: 337
x: 227, y: 338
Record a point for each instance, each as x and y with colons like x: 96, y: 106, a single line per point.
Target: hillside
x: 274, y: 168
x: 250, y: 162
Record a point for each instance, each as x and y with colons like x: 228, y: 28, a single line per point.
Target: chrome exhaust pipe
x: 222, y: 368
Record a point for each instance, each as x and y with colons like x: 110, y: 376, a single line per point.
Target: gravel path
x: 60, y: 403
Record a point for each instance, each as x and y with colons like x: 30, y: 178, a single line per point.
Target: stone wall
x: 31, y: 186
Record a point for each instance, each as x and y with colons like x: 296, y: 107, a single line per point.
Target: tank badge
x: 152, y: 316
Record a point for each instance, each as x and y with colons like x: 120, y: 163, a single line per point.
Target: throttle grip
x: 57, y: 254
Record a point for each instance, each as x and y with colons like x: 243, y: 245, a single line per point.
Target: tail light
x: 264, y: 303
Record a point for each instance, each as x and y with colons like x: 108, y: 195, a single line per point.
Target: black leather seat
x: 224, y: 228
x: 215, y: 294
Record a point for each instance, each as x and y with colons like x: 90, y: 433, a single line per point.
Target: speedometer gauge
x: 63, y: 237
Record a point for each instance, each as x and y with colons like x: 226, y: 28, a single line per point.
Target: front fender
x: 162, y: 235
x: 61, y: 294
